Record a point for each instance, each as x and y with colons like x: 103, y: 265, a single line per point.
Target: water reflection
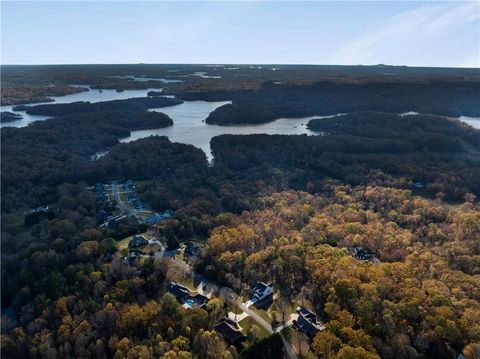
x: 189, y: 126
x: 91, y: 96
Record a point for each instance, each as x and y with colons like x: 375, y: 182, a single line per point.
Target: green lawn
x: 123, y: 243
x: 262, y: 313
x: 260, y: 332
x: 176, y: 274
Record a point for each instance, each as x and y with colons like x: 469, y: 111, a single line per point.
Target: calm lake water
x: 189, y: 126
x: 472, y: 121
x: 91, y: 95
x: 146, y: 78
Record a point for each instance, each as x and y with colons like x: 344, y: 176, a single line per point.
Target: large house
x: 137, y: 242
x: 192, y: 249
x: 307, y: 322
x: 361, y: 253
x: 183, y: 295
x: 261, y: 291
x: 230, y: 331
x: 180, y: 292
x: 200, y: 299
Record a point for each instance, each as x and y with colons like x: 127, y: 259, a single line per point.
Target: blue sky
x: 409, y: 33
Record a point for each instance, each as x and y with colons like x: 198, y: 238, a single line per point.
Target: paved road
x: 262, y: 322
x: 120, y: 204
x: 287, y: 323
x: 257, y: 318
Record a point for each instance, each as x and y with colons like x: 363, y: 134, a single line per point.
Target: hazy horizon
x: 233, y: 64
x: 404, y: 33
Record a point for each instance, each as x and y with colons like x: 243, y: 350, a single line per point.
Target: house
x: 230, y: 331
x: 261, y: 291
x: 307, y: 322
x: 129, y: 186
x: 137, y: 242
x: 192, y: 249
x: 200, y: 299
x: 41, y: 209
x: 132, y: 258
x: 418, y: 185
x: 180, y: 292
x: 361, y: 253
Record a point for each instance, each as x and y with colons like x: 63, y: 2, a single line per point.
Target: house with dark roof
x: 129, y: 185
x: 41, y: 209
x: 261, y: 291
x: 200, y: 299
x: 131, y: 258
x: 230, y: 331
x: 180, y: 292
x: 307, y: 322
x: 361, y: 253
x: 137, y: 242
x: 192, y: 249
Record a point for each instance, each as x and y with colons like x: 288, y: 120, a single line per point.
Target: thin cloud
x: 402, y: 38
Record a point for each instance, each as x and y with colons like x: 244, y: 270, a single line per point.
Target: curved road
x: 254, y: 315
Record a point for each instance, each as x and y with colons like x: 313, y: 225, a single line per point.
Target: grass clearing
x: 123, y: 243
x: 262, y: 313
x: 248, y: 324
x: 177, y: 274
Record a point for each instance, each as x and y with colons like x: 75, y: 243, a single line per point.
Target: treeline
x: 47, y: 153
x: 447, y: 98
x: 75, y: 297
x: 415, y: 132
x: 397, y: 308
x: 233, y: 114
x: 356, y: 154
x: 7, y: 116
x: 149, y: 158
x: 132, y: 104
x: 12, y: 95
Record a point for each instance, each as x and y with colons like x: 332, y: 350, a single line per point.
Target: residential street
x: 256, y: 317
x: 120, y: 204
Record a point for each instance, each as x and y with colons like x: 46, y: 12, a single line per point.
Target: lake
x: 91, y: 96
x: 144, y: 78
x: 189, y: 126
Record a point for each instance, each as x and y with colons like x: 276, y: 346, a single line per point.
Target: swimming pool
x: 189, y: 303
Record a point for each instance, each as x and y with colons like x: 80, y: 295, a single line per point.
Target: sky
x: 428, y: 33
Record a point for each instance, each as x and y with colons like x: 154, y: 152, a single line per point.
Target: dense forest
x: 33, y: 94
x: 403, y: 150
x: 281, y: 209
x: 48, y: 153
x: 330, y: 98
x: 7, y: 116
x: 422, y: 299
x: 236, y: 115
x: 132, y: 104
